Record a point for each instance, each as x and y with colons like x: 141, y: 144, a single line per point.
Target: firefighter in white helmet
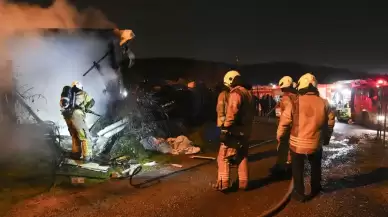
x: 235, y: 132
x: 283, y: 163
x: 74, y: 112
x: 222, y: 102
x: 311, y: 122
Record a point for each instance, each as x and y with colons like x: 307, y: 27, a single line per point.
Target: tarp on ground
x: 175, y: 146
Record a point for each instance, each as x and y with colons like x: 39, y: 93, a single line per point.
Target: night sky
x: 340, y: 34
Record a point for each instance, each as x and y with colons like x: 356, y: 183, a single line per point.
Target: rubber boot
x: 298, y: 197
x: 243, y: 185
x: 86, y: 154
x: 221, y: 185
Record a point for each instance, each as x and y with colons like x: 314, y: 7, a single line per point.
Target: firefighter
x: 222, y: 102
x: 287, y: 86
x: 74, y: 114
x: 311, y: 122
x: 235, y: 132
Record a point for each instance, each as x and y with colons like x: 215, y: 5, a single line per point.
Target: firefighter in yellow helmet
x: 283, y: 163
x: 222, y: 102
x: 311, y: 122
x: 235, y: 132
x: 75, y: 102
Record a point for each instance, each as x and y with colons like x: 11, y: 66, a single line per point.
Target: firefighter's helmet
x: 285, y: 82
x: 306, y: 80
x: 125, y: 35
x: 77, y: 84
x: 229, y: 77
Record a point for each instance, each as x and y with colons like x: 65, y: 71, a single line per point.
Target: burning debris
x: 55, y: 49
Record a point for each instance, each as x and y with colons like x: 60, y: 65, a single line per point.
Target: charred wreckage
x: 104, y: 131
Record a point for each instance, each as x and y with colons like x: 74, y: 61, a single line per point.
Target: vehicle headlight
x: 380, y: 117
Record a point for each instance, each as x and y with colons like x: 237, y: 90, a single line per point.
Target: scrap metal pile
x: 27, y: 112
x: 132, y: 112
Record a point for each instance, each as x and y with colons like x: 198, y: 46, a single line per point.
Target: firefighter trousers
x: 315, y: 161
x: 80, y: 135
x: 224, y: 166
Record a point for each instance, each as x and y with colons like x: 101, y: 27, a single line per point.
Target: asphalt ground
x: 355, y: 175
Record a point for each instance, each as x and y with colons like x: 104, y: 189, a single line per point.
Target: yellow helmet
x: 306, y: 80
x: 77, y: 84
x: 286, y: 81
x: 125, y: 35
x: 229, y: 77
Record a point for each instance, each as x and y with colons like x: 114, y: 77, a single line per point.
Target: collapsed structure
x: 60, y: 56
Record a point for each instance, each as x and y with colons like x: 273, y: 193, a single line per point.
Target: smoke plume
x: 44, y: 64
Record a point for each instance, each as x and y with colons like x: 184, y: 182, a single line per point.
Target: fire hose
x: 278, y: 206
x: 281, y: 204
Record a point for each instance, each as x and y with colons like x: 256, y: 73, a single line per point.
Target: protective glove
x: 326, y: 141
x: 224, y: 134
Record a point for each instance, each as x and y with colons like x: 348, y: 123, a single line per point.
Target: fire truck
x: 368, y: 101
x: 361, y: 101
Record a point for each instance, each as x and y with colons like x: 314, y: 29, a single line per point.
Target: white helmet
x: 306, y: 80
x: 229, y: 77
x: 294, y: 84
x: 286, y: 81
x: 77, y: 84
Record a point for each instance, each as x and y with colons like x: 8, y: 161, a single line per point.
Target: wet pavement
x: 355, y: 180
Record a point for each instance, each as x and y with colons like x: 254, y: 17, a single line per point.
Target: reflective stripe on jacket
x: 311, y: 122
x: 240, y: 111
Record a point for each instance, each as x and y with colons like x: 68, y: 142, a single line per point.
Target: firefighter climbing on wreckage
x: 235, y: 131
x: 283, y: 163
x: 75, y: 102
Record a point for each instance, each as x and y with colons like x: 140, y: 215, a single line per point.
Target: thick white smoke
x: 44, y: 64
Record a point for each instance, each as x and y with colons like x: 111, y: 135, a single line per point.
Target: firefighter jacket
x: 311, y: 122
x: 286, y: 99
x: 222, y: 103
x: 240, y: 111
x: 83, y: 101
